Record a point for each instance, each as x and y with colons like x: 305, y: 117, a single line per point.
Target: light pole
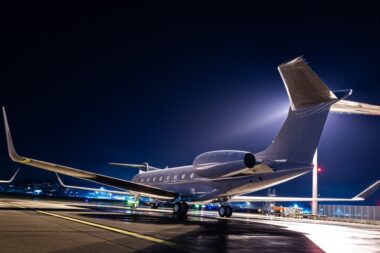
x: 314, y: 203
x: 346, y: 107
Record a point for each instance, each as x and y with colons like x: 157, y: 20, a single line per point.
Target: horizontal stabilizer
x: 351, y: 107
x: 143, y: 166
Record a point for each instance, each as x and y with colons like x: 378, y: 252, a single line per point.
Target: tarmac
x: 35, y: 225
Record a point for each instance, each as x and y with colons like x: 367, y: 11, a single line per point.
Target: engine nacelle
x: 223, y: 163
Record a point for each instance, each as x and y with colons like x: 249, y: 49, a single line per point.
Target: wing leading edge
x: 85, y: 175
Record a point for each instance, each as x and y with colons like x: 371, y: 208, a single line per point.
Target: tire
x: 177, y: 208
x: 222, y: 211
x: 228, y: 211
x: 185, y: 208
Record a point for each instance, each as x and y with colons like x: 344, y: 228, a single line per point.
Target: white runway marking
x: 334, y: 238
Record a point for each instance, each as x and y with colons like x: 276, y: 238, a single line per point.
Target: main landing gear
x: 225, y: 211
x: 180, y: 208
x: 154, y: 205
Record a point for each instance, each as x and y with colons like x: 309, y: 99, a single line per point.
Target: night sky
x: 96, y: 82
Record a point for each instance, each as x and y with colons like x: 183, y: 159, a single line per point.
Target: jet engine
x: 223, y: 163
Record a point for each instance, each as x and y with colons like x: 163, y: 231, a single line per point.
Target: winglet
x: 10, y: 180
x: 11, y: 149
x: 368, y: 191
x: 60, y: 180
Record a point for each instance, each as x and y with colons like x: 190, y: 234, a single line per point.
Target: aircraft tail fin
x: 303, y: 86
x: 310, y: 102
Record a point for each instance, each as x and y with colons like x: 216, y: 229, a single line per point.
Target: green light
x: 197, y: 206
x: 130, y: 203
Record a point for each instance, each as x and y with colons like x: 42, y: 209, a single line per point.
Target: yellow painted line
x: 112, y: 229
x: 116, y: 230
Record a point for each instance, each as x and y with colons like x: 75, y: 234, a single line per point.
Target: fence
x: 369, y: 213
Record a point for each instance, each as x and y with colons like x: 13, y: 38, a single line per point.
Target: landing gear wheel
x: 180, y: 208
x: 225, y: 211
x: 153, y: 205
x: 222, y: 211
x: 185, y: 208
x: 228, y: 211
x: 177, y: 208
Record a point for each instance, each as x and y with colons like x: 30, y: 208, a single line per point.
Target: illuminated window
x: 154, y: 179
x: 148, y: 179
x: 167, y: 178
x: 160, y: 178
x: 183, y: 176
x: 191, y: 176
x: 175, y: 177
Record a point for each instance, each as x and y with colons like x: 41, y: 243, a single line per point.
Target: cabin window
x: 183, y: 176
x: 175, y: 177
x: 191, y: 176
x: 160, y: 178
x: 147, y: 179
x: 154, y: 179
x: 167, y: 178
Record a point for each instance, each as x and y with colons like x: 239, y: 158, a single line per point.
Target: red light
x: 319, y: 169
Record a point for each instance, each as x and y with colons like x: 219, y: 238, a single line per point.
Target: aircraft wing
x: 144, y: 190
x: 360, y: 197
x: 88, y: 188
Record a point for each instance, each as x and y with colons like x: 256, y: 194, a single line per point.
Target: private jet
x: 225, y: 176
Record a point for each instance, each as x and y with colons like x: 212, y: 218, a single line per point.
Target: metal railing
x: 351, y: 212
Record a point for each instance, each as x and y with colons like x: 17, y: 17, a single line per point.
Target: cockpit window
x: 147, y: 179
x: 191, y: 176
x: 183, y: 176
x: 154, y: 179
x: 161, y: 178
x: 175, y: 177
x: 167, y: 178
x: 142, y: 180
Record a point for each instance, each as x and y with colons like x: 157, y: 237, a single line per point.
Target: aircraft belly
x: 190, y: 190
